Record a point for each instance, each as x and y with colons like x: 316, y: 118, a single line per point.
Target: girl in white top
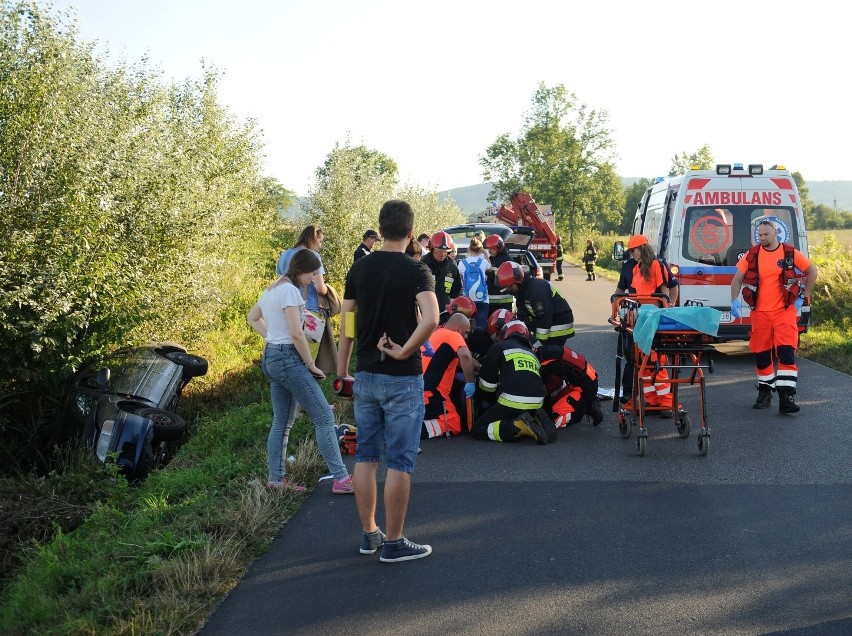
x: 279, y: 316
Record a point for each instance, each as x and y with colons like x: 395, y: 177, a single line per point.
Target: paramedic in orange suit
x: 449, y: 352
x: 774, y: 321
x: 648, y: 276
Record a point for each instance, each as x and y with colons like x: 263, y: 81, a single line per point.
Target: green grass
x: 155, y: 559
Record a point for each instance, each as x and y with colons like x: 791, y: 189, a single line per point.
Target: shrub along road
x: 583, y: 535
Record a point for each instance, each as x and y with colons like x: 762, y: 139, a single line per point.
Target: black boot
x: 786, y: 404
x: 764, y: 397
x: 593, y: 277
x: 595, y: 412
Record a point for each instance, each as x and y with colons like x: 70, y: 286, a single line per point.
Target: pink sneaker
x: 285, y: 484
x: 343, y: 486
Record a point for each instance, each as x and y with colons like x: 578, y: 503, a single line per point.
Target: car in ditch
x: 125, y: 410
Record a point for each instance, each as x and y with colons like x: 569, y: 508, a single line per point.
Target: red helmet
x: 515, y: 328
x: 497, y: 319
x: 462, y: 305
x: 494, y: 242
x: 441, y: 241
x: 508, y: 273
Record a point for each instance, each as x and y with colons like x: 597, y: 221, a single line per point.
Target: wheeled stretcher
x: 653, y: 336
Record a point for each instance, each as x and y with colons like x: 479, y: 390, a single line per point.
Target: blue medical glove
x: 737, y: 308
x: 799, y: 302
x: 428, y: 351
x: 469, y: 389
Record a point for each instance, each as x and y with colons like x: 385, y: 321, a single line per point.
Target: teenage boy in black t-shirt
x: 382, y: 295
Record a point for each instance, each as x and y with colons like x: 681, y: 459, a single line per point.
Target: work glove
x: 799, y: 302
x: 737, y: 308
x: 469, y: 389
x: 428, y: 351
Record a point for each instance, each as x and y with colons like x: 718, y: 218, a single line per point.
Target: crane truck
x: 523, y: 210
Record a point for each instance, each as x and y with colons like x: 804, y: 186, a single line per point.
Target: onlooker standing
x: 278, y: 316
x: 559, y: 257
x: 474, y: 282
x: 447, y: 278
x: 381, y: 297
x: 423, y: 239
x: 590, y: 257
x: 774, y: 316
x: 311, y: 238
x: 414, y: 250
x: 370, y: 238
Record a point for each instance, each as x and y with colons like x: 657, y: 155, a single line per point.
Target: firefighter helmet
x: 494, y: 242
x: 497, y: 319
x: 515, y: 328
x: 509, y: 273
x: 441, y: 241
x: 462, y: 305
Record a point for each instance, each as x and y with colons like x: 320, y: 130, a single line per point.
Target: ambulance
x: 703, y: 222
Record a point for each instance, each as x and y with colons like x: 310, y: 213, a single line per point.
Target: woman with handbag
x: 280, y: 317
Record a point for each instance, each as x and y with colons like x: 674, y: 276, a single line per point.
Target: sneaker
x: 343, y: 486
x: 549, y: 425
x: 372, y: 541
x: 403, y: 550
x: 528, y: 426
x: 285, y: 484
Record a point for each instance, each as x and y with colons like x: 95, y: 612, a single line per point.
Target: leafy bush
x: 123, y: 207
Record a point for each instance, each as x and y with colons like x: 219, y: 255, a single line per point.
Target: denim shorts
x: 389, y: 413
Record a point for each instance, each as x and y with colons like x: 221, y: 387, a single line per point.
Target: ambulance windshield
x: 721, y: 235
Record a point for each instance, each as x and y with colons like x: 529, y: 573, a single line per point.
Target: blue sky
x: 432, y: 84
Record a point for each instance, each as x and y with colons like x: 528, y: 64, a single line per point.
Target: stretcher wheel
x: 684, y: 426
x: 703, y: 444
x: 642, y: 444
x: 710, y: 366
x: 625, y: 424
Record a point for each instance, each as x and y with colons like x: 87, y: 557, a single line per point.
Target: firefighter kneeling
x: 572, y: 386
x: 512, y: 392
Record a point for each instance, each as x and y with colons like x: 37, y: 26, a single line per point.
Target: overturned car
x: 124, y: 411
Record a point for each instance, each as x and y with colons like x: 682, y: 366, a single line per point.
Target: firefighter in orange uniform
x: 775, y: 284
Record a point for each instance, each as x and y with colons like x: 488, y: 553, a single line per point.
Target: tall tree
x: 702, y: 159
x: 558, y: 158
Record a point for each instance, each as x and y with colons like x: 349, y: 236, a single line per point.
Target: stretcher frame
x: 683, y: 349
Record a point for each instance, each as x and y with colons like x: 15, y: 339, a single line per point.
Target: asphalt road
x: 583, y: 536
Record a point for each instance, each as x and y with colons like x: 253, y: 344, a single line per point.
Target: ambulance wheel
x: 684, y: 426
x: 703, y: 444
x: 625, y: 424
x: 642, y: 445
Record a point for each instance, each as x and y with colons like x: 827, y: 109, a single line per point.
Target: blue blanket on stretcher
x: 652, y: 319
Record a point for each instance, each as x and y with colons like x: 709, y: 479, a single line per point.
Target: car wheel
x: 168, y: 426
x: 193, y: 366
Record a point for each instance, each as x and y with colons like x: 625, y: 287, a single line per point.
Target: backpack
x: 474, y: 283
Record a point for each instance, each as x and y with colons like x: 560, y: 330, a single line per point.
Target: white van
x: 703, y: 222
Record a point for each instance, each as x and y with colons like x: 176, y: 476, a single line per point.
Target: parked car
x: 517, y: 239
x: 124, y: 411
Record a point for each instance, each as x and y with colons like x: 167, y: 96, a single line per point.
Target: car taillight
x: 104, y: 439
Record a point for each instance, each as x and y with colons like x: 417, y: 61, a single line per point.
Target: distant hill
x: 474, y: 198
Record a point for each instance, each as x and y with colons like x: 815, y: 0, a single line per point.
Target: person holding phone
x: 293, y: 375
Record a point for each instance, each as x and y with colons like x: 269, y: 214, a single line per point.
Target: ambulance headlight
x: 723, y: 169
x: 755, y: 168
